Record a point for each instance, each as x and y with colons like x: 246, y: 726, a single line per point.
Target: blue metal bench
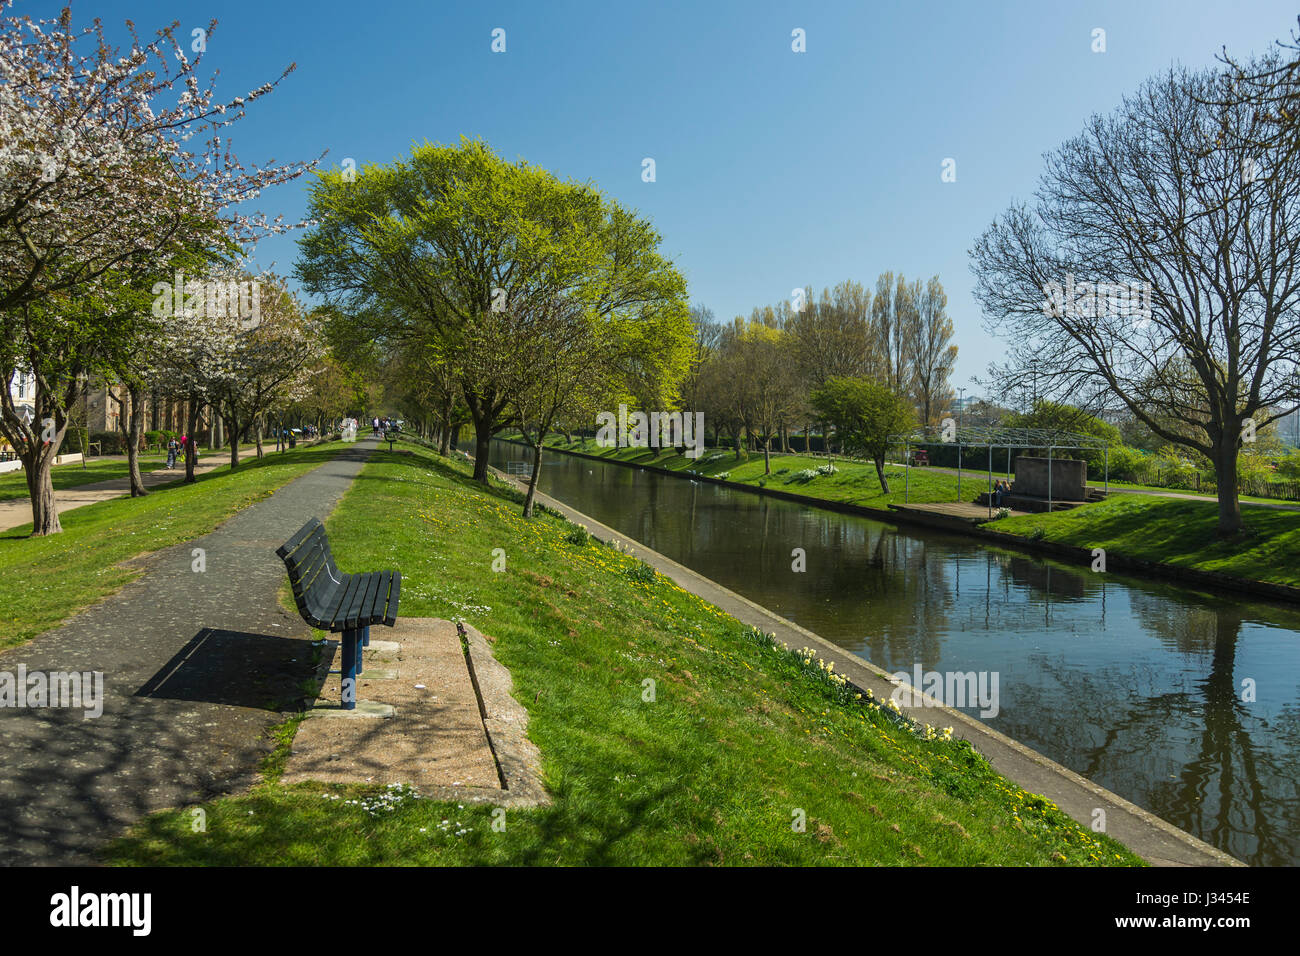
x: 334, y: 601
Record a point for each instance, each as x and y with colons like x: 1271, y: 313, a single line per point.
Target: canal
x: 1186, y: 703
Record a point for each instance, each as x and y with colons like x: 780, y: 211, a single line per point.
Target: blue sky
x: 774, y: 169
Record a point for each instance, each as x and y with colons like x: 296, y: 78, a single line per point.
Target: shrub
x: 578, y: 536
x: 642, y: 573
x: 1126, y: 464
x: 722, y: 475
x: 110, y: 443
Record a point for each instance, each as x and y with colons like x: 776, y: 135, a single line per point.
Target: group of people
x: 176, y: 447
x: 1001, y: 488
x: 381, y: 425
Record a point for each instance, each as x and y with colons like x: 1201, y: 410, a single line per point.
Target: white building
x: 22, y: 388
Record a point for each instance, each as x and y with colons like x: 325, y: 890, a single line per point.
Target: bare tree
x: 1160, y: 263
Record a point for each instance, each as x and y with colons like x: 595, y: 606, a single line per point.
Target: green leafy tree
x: 867, y: 417
x: 461, y: 249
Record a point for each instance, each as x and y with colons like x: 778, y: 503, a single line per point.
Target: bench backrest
x: 312, y: 573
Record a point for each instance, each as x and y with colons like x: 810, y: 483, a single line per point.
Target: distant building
x: 22, y: 389
x: 103, y: 411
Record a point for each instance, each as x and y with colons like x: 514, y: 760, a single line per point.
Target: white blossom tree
x: 110, y: 160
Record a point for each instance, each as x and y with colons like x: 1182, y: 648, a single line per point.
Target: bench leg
x: 365, y: 636
x: 350, y: 644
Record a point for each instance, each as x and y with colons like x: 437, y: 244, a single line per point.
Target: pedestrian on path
x: 173, y: 446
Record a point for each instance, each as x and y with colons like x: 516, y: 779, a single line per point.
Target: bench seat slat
x: 372, y: 610
x: 299, y: 538
x: 390, y: 614
x: 353, y: 613
x: 346, y: 594
x: 321, y: 603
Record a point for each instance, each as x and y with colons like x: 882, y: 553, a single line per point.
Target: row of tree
x: 756, y: 378
x: 116, y: 174
x: 495, y: 293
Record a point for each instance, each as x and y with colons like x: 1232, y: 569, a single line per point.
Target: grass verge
x: 738, y: 752
x: 1176, y: 532
x: 13, y: 484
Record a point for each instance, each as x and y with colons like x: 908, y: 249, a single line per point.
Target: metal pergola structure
x: 999, y: 436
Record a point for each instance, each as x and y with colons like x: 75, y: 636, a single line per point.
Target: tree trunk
x: 444, y: 427
x: 767, y: 456
x: 1225, y: 473
x: 233, y: 422
x: 482, y: 447
x: 40, y: 486
x: 135, y: 433
x: 880, y: 473
x: 191, y: 444
x: 261, y: 452
x: 532, y: 480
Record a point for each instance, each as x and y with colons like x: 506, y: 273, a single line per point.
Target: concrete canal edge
x: 1157, y: 841
x: 1191, y: 577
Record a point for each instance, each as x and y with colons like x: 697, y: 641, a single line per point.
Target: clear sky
x: 774, y: 169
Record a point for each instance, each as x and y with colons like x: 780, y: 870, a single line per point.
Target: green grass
x: 742, y: 735
x: 854, y: 482
x: 13, y: 484
x: 48, y: 579
x: 1177, y: 532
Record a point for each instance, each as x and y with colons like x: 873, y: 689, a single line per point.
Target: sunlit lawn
x: 741, y: 742
x: 1175, y: 531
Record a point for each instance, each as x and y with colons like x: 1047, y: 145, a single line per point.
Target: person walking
x: 173, y: 446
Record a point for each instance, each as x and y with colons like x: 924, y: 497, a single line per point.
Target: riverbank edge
x: 1214, y: 580
x: 1154, y: 839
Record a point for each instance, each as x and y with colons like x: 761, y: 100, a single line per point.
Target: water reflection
x: 1136, y: 684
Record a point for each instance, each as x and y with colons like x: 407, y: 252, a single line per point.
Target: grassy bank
x: 46, y: 580
x: 857, y: 484
x: 1174, y: 531
x: 741, y: 740
x: 853, y: 482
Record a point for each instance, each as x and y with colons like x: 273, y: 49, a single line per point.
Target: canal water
x: 1186, y: 703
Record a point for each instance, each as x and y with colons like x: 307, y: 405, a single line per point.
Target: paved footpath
x: 196, y: 667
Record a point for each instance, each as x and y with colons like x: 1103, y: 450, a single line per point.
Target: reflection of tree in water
x: 908, y: 590
x: 1194, y: 753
